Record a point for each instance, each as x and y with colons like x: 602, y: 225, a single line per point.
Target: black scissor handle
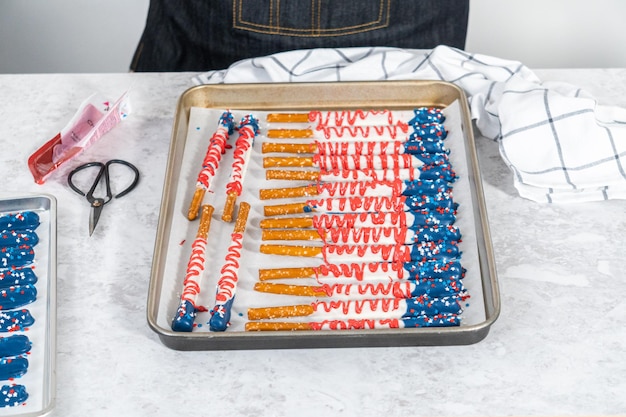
x: 129, y: 165
x: 104, y: 170
x: 89, y: 194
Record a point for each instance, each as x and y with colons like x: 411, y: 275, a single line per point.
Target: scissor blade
x: 96, y: 210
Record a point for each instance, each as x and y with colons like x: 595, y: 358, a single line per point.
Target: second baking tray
x: 173, y: 234
x: 40, y: 377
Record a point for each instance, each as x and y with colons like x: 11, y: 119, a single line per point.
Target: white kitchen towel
x: 559, y: 143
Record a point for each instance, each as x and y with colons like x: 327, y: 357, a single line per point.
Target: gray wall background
x: 91, y: 36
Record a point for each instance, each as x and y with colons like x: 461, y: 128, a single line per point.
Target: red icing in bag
x: 94, y: 118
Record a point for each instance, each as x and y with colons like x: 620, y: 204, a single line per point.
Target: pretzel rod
x: 210, y: 164
x: 292, y: 250
x: 426, y: 151
x: 411, y: 219
x: 344, y: 162
x: 288, y: 118
x: 276, y: 193
x: 373, y: 271
x: 286, y: 289
x: 426, y: 172
x: 401, y: 132
x: 282, y: 209
x: 436, y: 188
x: 420, y: 115
x: 274, y: 312
x: 248, y: 129
x: 186, y: 312
x: 227, y: 283
x: 367, y: 235
x: 336, y: 118
x: 290, y: 175
x: 436, y: 288
x: 277, y: 147
x: 377, y: 308
x: 341, y: 253
x: 291, y: 234
x: 273, y: 326
x: 385, y: 132
x: 289, y: 133
x: 280, y: 273
x: 344, y: 205
x: 286, y: 223
x: 438, y: 320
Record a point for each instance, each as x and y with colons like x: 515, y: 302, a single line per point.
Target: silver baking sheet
x: 40, y: 378
x: 196, y: 117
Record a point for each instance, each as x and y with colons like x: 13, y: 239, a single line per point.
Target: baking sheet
x: 176, y: 234
x: 39, y: 380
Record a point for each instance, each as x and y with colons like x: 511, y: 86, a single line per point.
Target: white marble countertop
x: 557, y: 347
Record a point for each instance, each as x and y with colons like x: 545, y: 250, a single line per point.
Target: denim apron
x: 200, y: 35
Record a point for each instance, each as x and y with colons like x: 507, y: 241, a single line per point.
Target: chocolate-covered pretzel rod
x: 17, y: 296
x: 436, y: 188
x: 16, y: 238
x: 227, y: 283
x: 377, y: 308
x: 16, y: 320
x: 16, y: 256
x: 438, y: 320
x: 24, y: 220
x: 411, y: 219
x: 435, y: 288
x: 346, y: 162
x: 445, y: 268
x: 441, y: 171
x: 367, y: 235
x: 186, y: 312
x: 210, y: 164
x: 248, y: 129
x: 17, y: 276
x: 364, y: 204
x: 343, y: 253
x: 401, y: 132
x: 420, y: 115
x: 13, y: 395
x: 420, y: 149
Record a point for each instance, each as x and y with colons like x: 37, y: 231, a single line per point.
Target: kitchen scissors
x: 97, y: 203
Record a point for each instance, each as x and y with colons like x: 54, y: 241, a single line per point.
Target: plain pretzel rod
x: 186, y: 312
x: 210, y: 164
